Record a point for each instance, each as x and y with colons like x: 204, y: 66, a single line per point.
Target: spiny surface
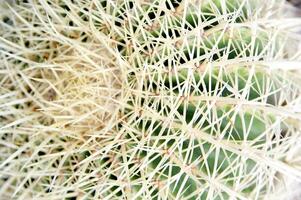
x: 148, y: 100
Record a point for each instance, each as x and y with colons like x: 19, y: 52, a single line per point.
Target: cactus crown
x: 147, y: 100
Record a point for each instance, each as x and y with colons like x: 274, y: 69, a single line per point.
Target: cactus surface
x: 148, y: 99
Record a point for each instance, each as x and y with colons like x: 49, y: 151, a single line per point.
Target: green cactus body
x: 232, y: 126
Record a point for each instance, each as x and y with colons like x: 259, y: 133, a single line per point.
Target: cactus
x: 148, y: 100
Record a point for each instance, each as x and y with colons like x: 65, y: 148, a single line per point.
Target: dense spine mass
x: 147, y: 100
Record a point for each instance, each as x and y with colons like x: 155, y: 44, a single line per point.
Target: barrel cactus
x: 149, y: 99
